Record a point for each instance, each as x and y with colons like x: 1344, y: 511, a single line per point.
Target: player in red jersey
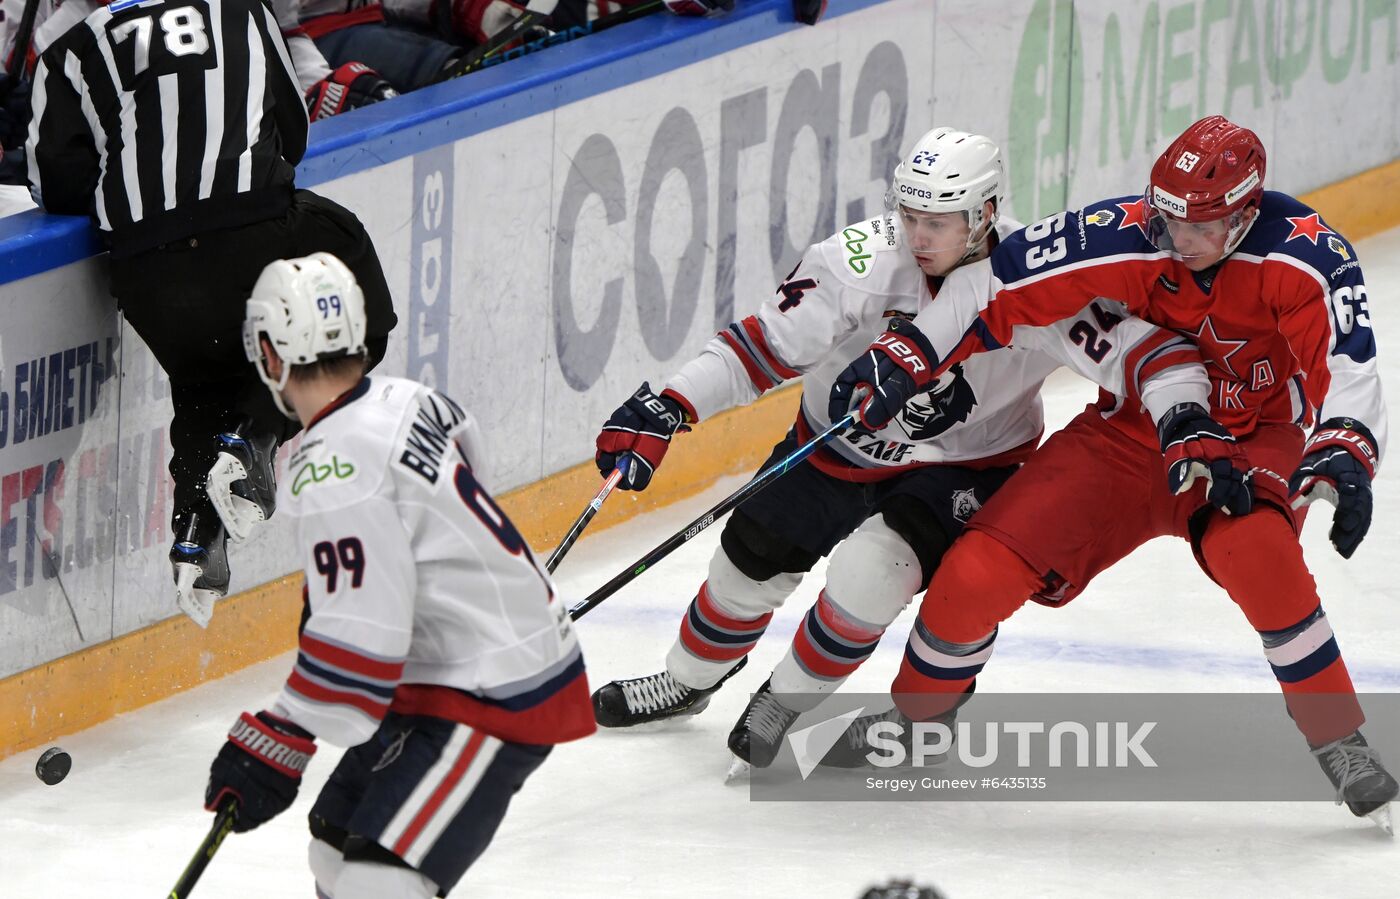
x: 1277, y: 303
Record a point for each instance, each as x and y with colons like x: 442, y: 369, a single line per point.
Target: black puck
x: 53, y: 765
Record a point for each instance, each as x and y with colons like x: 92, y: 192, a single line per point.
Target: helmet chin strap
x: 276, y: 385
x: 977, y: 242
x: 1239, y: 231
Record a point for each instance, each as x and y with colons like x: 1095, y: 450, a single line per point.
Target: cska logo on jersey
x: 1218, y: 349
x: 949, y: 402
x: 1309, y: 226
x: 1134, y: 215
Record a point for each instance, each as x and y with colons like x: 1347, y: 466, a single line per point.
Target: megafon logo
x: 1046, y: 110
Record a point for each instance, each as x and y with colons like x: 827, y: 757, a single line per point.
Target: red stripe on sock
x: 703, y: 648
x: 838, y: 624
x: 815, y: 661
x: 713, y: 615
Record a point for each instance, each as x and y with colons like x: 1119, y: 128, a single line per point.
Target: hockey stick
x: 612, y: 20
x: 223, y: 825
x: 582, y: 522
x: 535, y: 12
x: 764, y: 478
x: 24, y: 34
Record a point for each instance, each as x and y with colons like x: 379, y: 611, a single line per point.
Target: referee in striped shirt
x: 176, y: 125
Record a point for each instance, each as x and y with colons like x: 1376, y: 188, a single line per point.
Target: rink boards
x: 558, y: 229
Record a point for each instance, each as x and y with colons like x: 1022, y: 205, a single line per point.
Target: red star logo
x: 1309, y: 226
x: 1218, y: 350
x: 1133, y: 214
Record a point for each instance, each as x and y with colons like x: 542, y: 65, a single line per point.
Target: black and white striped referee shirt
x: 166, y: 118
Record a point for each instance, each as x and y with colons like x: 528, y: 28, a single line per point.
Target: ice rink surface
x: 646, y: 813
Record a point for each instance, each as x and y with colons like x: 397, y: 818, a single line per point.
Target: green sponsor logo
x: 1163, y: 65
x: 1045, y: 109
x: 312, y: 473
x: 858, y: 259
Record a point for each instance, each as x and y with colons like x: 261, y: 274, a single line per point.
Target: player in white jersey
x: 432, y: 643
x: 902, y: 493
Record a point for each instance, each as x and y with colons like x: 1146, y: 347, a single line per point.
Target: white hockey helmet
x: 309, y: 309
x: 952, y: 171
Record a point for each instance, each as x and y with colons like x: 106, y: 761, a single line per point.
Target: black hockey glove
x: 699, y: 7
x: 14, y: 112
x: 1338, y: 464
x: 349, y: 87
x: 899, y: 364
x: 1194, y: 445
x: 260, y: 766
x: 808, y: 12
x: 642, y: 428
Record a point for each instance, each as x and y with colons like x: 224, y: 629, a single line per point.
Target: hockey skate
x: 851, y: 749
x: 242, y: 485
x: 758, y: 734
x: 627, y: 703
x: 1361, y: 780
x: 199, y: 562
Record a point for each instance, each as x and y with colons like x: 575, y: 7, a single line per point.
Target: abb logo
x: 908, y: 357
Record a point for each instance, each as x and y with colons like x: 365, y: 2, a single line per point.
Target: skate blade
x: 1381, y: 818
x: 739, y: 771
x: 240, y: 516
x: 194, y: 602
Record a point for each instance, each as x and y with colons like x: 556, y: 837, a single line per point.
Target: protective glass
x: 934, y: 232
x: 1192, y: 241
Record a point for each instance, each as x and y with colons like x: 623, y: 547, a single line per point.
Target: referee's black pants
x: 186, y: 300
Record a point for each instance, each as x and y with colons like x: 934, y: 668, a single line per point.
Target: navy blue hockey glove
x: 899, y: 364
x: 14, y: 112
x: 641, y: 428
x: 260, y: 766
x: 349, y: 87
x: 1338, y: 464
x: 808, y: 11
x: 1194, y: 445
x: 699, y: 7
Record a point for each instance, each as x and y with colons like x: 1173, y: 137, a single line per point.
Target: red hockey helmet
x: 1213, y: 171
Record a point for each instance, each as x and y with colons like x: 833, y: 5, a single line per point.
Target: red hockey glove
x: 1194, y: 445
x: 1338, y: 464
x: 260, y: 766
x: 896, y: 366
x: 642, y: 428
x: 349, y: 87
x: 699, y: 7
x: 480, y: 20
